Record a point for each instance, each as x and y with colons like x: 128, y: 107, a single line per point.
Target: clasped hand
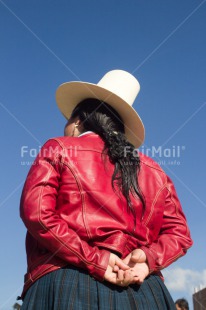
x: 132, y: 269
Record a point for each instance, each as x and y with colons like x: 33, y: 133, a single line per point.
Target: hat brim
x: 68, y: 95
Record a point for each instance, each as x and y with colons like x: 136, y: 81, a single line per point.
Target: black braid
x: 102, y: 119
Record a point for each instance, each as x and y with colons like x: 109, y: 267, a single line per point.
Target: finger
x: 127, y: 258
x: 128, y: 277
x: 120, y: 275
x: 121, y: 264
x: 138, y: 279
x: 139, y: 282
x: 138, y: 256
x: 124, y: 279
x: 116, y: 268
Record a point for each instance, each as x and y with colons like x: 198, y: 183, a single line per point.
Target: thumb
x: 138, y: 256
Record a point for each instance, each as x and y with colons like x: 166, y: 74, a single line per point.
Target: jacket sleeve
x: 174, y: 236
x: 39, y: 214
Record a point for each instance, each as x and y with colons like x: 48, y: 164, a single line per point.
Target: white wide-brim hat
x: 118, y: 89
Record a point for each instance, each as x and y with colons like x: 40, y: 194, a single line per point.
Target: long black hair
x: 101, y: 118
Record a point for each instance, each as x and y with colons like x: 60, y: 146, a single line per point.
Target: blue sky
x: 46, y: 43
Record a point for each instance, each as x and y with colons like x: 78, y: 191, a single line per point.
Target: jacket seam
x: 154, y: 202
x: 177, y: 213
x: 171, y: 259
x: 50, y: 231
x: 78, y: 182
x: 152, y: 166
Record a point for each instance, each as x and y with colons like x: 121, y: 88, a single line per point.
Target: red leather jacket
x: 74, y: 217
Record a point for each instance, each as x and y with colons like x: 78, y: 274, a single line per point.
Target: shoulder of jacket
x: 61, y: 141
x: 85, y: 142
x: 150, y: 163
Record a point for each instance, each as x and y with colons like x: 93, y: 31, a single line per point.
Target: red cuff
x: 150, y: 259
